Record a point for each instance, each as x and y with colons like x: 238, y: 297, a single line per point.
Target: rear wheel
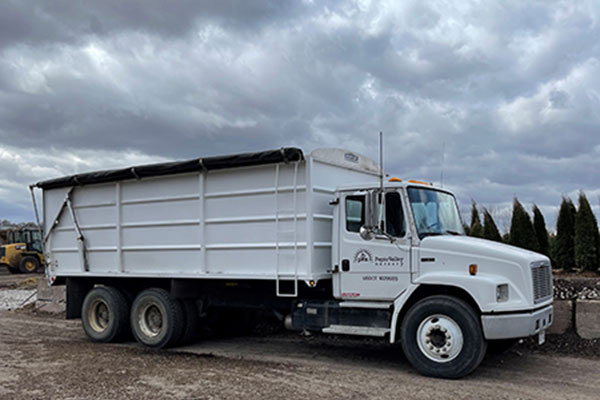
x: 104, y: 315
x: 29, y: 265
x: 156, y: 318
x: 191, y: 322
x: 442, y: 337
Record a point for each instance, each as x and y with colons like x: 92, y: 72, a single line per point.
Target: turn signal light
x: 473, y: 269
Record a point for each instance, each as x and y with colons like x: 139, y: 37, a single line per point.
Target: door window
x: 355, y: 213
x: 394, y: 215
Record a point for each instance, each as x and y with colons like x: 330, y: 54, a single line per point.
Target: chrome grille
x: 542, y: 282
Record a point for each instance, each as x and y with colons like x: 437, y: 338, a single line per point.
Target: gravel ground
x: 45, y: 356
x: 12, y: 299
x: 16, y: 290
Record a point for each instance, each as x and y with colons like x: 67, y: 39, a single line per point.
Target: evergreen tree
x: 541, y: 234
x: 490, y: 230
x: 475, y: 230
x: 467, y: 229
x: 521, y: 229
x: 564, y: 249
x: 586, y: 236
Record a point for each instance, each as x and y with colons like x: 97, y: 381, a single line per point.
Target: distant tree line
x: 576, y: 245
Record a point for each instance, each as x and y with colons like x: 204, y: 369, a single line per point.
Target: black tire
x: 29, y: 265
x: 501, y: 346
x: 191, y: 322
x: 12, y: 270
x: 431, y: 337
x: 156, y: 318
x: 104, y: 315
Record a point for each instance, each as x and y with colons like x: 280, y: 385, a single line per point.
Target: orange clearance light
x: 419, y: 182
x: 473, y: 269
x: 394, y: 179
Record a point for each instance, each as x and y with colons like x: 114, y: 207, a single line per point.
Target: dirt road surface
x: 43, y: 356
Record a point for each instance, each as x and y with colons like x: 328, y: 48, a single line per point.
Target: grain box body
x: 243, y: 220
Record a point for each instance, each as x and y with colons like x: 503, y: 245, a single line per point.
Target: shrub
x: 475, y: 230
x: 521, y: 229
x: 564, y: 248
x: 541, y: 234
x: 586, y: 236
x: 490, y: 230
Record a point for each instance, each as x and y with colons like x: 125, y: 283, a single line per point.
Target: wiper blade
x: 453, y: 233
x: 425, y: 234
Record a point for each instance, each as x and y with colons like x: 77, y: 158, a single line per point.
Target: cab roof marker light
x: 419, y: 182
x: 394, y: 179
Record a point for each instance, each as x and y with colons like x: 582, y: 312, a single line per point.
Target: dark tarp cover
x: 287, y: 154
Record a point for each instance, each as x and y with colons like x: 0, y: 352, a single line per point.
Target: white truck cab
x: 409, y: 238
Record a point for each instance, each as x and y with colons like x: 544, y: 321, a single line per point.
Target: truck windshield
x: 435, y: 212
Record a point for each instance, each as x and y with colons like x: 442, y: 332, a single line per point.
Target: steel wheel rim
x: 30, y: 266
x: 440, y: 338
x: 150, y: 320
x: 99, y: 315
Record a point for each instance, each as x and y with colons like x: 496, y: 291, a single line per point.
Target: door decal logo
x: 363, y: 255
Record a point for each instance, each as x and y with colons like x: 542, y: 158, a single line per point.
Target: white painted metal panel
x: 229, y: 223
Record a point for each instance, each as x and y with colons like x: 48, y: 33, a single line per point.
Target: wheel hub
x: 440, y: 338
x: 151, y: 320
x: 99, y: 315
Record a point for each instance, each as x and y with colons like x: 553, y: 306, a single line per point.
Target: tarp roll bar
x: 285, y: 154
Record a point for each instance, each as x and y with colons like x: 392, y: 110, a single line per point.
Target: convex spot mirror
x: 366, y: 233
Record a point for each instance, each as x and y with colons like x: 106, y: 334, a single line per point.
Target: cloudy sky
x: 506, y: 93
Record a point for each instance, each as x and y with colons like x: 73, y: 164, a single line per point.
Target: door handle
x: 345, y: 265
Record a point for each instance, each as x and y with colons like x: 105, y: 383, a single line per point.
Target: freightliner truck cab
x: 402, y: 251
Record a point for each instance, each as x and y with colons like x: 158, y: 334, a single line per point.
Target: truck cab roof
x: 387, y: 185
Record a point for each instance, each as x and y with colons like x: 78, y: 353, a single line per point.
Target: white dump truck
x: 318, y: 239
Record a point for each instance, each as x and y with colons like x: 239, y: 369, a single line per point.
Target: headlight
x: 502, y: 293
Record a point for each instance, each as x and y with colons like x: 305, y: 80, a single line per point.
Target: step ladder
x: 286, y: 241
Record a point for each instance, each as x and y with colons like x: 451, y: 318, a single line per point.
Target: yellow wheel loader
x: 23, y: 253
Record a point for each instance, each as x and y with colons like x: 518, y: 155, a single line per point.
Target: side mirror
x: 371, y: 208
x: 366, y: 233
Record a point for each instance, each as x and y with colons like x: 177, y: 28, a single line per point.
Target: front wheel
x: 29, y: 265
x: 442, y: 337
x: 12, y: 270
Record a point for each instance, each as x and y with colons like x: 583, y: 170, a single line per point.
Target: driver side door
x: 372, y: 269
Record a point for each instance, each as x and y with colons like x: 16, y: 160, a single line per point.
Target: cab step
x: 356, y: 330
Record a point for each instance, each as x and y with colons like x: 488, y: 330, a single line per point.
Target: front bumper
x: 507, y: 326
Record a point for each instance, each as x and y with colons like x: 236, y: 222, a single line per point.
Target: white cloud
x: 20, y: 168
x: 509, y: 89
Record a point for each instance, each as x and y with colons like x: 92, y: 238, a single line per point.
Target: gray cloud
x: 510, y: 90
